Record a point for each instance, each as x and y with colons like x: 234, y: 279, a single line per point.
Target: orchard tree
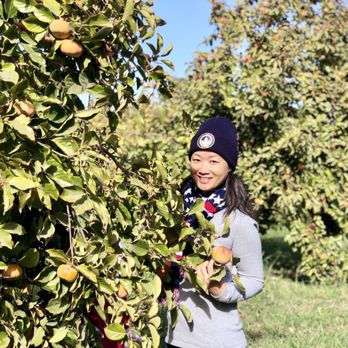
x: 279, y: 69
x: 82, y: 232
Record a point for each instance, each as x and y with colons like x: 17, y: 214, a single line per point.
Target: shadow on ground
x: 279, y: 257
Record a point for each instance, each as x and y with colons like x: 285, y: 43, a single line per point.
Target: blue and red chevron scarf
x: 212, y: 203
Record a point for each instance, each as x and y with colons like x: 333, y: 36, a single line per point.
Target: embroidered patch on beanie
x: 205, y: 141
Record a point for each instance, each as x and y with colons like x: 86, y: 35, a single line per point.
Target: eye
x: 214, y: 162
x: 195, y: 160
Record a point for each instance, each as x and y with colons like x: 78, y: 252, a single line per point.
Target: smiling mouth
x: 203, y: 180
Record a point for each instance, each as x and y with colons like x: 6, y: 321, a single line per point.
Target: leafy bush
x: 66, y: 197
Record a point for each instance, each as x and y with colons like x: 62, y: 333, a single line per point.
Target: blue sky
x: 187, y: 26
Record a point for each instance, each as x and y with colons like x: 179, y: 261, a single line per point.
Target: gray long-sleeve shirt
x: 216, y: 320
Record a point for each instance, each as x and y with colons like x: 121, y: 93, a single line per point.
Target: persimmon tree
x: 68, y: 200
x: 278, y: 69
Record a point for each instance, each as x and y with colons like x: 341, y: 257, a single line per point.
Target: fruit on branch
x: 71, y: 48
x: 222, y: 255
x: 60, y: 29
x: 24, y: 107
x: 67, y: 272
x: 162, y: 272
x: 12, y: 272
x: 122, y: 292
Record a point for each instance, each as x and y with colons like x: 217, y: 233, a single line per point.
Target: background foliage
x: 279, y: 71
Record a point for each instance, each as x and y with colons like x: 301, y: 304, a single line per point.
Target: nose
x: 204, y: 167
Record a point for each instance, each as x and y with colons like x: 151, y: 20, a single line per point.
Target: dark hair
x: 237, y: 196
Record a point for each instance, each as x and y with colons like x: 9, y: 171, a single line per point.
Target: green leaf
x: 34, y: 56
x: 162, y: 209
x: 8, y: 73
x: 186, y: 312
x: 87, y: 272
x: 138, y: 183
x: 85, y: 205
x: 154, y: 336
x: 162, y: 249
x: 129, y: 9
x: 226, y: 228
x: 47, y: 230
x: 8, y: 197
x: 67, y: 144
x: 22, y: 183
x: 30, y: 258
x: 168, y: 63
x: 218, y: 276
x: 33, y: 25
x: 140, y: 247
x: 10, y: 9
x: 71, y: 195
x: 53, y: 6
x: 59, y: 334
x: 58, y: 255
x: 4, y: 340
x: 57, y: 306
x: 115, y: 332
x: 43, y: 14
x: 238, y: 283
x: 186, y: 231
x: 39, y: 334
x: 88, y: 113
x: 156, y: 286
x: 167, y: 51
x: 197, y: 207
x: 20, y: 124
x: 13, y: 228
x: 24, y: 6
x: 99, y: 21
x: 5, y: 239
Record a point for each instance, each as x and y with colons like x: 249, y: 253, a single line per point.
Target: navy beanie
x: 217, y: 135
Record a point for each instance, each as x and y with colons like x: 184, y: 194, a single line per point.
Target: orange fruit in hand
x: 67, y: 273
x: 12, y: 272
x: 222, y: 255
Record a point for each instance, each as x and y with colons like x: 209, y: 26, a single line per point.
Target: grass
x: 292, y: 314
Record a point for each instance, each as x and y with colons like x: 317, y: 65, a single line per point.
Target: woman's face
x: 208, y: 170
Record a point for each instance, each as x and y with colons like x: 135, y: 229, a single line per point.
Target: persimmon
x: 71, y: 48
x: 276, y: 37
x: 25, y: 107
x: 12, y: 272
x: 222, y: 255
x: 122, y: 292
x: 67, y: 272
x: 248, y: 58
x: 162, y: 272
x: 60, y: 29
x: 259, y: 201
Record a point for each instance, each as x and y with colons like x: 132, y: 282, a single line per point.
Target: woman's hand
x: 205, y: 271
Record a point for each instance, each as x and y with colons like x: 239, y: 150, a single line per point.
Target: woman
x: 213, y: 159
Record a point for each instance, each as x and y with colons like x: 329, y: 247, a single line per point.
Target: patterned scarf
x: 212, y: 203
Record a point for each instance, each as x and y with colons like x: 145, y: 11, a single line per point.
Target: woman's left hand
x: 205, y: 271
